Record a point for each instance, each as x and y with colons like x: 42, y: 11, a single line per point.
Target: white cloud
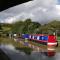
x: 58, y: 9
x: 38, y: 10
x: 10, y: 19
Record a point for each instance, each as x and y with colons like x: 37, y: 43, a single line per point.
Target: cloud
x: 58, y: 9
x: 41, y: 11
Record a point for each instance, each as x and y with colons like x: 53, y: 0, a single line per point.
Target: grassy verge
x: 58, y: 48
x: 9, y: 41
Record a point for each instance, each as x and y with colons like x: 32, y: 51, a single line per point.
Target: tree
x: 0, y: 27
x: 34, y: 27
x: 27, y: 22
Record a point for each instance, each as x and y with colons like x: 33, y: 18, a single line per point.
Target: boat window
x: 35, y: 37
x: 40, y: 38
x: 43, y: 38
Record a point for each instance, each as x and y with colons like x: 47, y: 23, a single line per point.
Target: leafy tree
x: 0, y: 27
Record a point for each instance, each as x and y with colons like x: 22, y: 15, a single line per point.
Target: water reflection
x: 39, y: 56
x: 17, y: 55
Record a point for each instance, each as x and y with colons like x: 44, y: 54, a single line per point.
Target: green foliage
x: 54, y: 24
x: 0, y: 26
x: 27, y: 26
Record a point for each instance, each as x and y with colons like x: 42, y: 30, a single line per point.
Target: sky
x: 58, y: 1
x: 42, y: 11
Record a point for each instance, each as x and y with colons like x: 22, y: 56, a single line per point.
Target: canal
x: 18, y: 55
x: 36, y: 54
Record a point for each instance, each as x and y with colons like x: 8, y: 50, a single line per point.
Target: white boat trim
x: 55, y: 43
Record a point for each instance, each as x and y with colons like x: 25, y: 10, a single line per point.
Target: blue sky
x: 59, y: 2
x: 42, y: 11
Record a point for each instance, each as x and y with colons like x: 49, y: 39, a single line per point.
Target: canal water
x: 18, y: 55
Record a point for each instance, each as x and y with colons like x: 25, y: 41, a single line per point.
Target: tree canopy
x: 28, y: 26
